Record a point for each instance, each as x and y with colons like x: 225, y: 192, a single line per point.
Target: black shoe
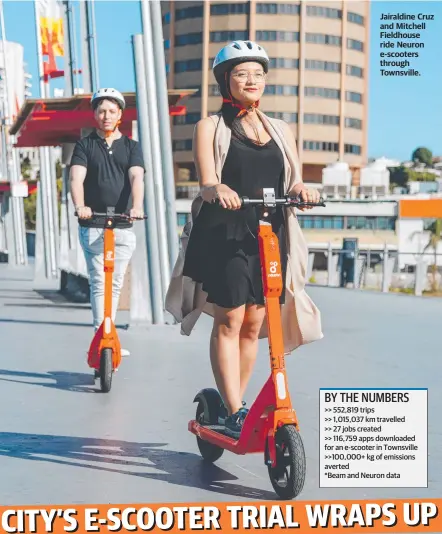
x: 223, y: 414
x: 234, y: 423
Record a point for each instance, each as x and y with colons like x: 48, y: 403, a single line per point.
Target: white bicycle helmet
x: 109, y: 93
x: 238, y: 52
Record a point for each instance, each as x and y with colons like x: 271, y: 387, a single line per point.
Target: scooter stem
x: 272, y: 285
x: 109, y: 260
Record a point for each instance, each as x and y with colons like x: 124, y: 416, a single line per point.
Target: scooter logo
x: 273, y: 269
x: 109, y: 255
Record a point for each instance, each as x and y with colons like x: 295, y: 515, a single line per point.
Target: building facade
x: 318, y: 80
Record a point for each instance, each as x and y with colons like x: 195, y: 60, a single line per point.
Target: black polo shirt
x: 107, y: 182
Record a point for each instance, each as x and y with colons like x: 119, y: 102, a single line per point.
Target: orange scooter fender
x: 105, y: 340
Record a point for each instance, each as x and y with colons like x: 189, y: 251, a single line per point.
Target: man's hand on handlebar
x: 84, y: 212
x: 309, y: 195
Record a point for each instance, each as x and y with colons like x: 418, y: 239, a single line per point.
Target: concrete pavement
x: 62, y: 441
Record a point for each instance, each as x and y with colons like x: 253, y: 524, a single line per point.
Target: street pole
x: 93, y: 36
x: 46, y: 190
x: 151, y: 228
x: 13, y: 172
x: 86, y: 49
x: 68, y: 51
x: 151, y: 96
x: 165, y: 132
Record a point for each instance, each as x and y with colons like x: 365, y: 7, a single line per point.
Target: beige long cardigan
x: 301, y: 319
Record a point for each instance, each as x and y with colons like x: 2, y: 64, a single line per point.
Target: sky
x: 403, y: 112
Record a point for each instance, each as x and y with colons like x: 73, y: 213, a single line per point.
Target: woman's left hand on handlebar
x: 136, y: 213
x: 309, y: 195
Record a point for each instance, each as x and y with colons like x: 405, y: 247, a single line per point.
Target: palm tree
x: 433, y: 242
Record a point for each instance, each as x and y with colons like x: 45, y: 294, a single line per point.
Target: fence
x: 376, y: 271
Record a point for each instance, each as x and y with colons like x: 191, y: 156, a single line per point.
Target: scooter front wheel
x: 288, y: 475
x: 106, y: 370
x: 210, y: 453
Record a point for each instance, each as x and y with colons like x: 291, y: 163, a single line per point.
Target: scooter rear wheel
x: 210, y: 453
x: 106, y: 370
x: 288, y: 475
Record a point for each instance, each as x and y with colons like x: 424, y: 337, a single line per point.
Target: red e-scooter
x: 104, y: 355
x: 271, y: 425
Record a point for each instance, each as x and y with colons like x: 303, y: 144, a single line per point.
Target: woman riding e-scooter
x: 238, y: 152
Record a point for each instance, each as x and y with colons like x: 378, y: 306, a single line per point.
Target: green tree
x: 25, y: 168
x: 401, y: 175
x: 423, y: 155
x: 30, y: 203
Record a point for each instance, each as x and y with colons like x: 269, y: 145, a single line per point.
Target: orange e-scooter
x: 104, y: 355
x: 271, y: 425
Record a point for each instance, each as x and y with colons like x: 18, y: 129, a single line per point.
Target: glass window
x: 182, y: 144
x: 284, y: 63
x: 319, y: 146
x: 322, y: 92
x: 355, y: 71
x: 353, y: 123
x: 166, y: 18
x: 338, y: 223
x: 316, y: 64
x: 279, y: 8
x: 283, y: 115
x: 188, y: 65
x: 286, y: 90
x: 189, y: 118
x: 189, y: 39
x: 353, y: 44
x: 352, y: 149
x: 320, y: 11
x: 229, y: 9
x: 189, y: 13
x: 273, y: 35
x: 353, y: 97
x: 355, y: 17
x: 321, y: 38
x: 222, y: 36
x: 315, y: 118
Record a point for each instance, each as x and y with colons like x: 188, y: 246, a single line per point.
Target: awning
x: 54, y: 121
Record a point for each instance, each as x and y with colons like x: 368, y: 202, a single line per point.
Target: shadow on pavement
x: 172, y: 467
x: 54, y: 323
x: 63, y: 380
x: 43, y: 304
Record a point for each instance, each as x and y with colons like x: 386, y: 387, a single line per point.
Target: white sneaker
x: 125, y: 352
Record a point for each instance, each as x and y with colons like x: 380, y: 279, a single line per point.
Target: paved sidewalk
x: 62, y: 441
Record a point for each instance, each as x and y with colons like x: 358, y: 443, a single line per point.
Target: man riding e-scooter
x: 107, y: 170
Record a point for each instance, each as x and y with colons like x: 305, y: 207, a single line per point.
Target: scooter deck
x: 221, y: 429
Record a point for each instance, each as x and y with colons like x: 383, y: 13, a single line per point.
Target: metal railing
x: 384, y: 271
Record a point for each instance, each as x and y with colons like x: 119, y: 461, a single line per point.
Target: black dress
x: 223, y: 251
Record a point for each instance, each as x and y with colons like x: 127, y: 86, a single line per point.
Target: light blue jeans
x: 92, y: 243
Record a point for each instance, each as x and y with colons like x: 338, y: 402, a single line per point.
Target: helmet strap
x: 107, y: 133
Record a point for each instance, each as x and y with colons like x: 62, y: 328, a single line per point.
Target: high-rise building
x: 318, y: 80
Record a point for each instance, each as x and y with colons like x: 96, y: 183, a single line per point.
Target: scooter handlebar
x: 123, y: 216
x: 287, y: 201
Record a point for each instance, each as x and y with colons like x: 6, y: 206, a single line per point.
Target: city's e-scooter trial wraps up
x: 104, y: 354
x: 271, y: 425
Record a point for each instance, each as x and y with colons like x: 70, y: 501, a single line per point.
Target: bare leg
x: 225, y: 355
x: 248, y: 343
